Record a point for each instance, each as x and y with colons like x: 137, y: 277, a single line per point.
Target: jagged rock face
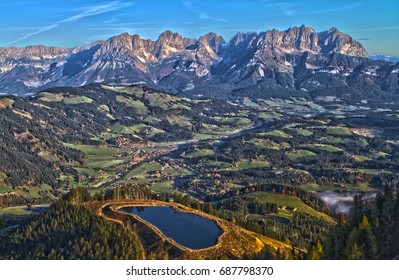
x: 298, y: 59
x: 297, y: 39
x: 40, y: 57
x: 170, y: 43
x: 33, y: 53
x: 335, y: 41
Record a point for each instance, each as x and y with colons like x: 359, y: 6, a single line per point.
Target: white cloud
x: 291, y: 8
x: 91, y: 11
x: 200, y: 14
x: 336, y: 9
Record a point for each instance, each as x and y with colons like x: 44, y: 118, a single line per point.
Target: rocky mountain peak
x: 175, y: 63
x: 293, y: 40
x: 169, y: 43
x: 300, y: 39
x: 334, y: 40
x: 169, y: 37
x: 117, y: 43
x: 34, y: 52
x: 210, y: 43
x: 243, y: 38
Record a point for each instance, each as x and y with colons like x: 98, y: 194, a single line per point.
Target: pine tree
x: 329, y: 245
x: 355, y: 253
x: 395, y: 234
x: 352, y: 240
x: 367, y: 240
x: 316, y: 251
x: 386, y: 226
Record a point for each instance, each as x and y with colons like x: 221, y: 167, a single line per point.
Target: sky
x: 70, y: 23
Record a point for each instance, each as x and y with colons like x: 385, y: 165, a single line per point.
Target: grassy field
x: 136, y: 104
x: 338, y: 130
x: 51, y: 97
x: 276, y: 133
x: 15, y: 211
x: 324, y: 147
x: 34, y: 192
x: 286, y: 200
x: 87, y: 171
x: 151, y: 120
x: 269, y: 116
x: 180, y: 121
x: 96, y: 152
x: 360, y: 158
x: 104, y: 164
x: 362, y: 187
x: 200, y: 153
x: 178, y: 171
x: 4, y: 188
x: 241, y: 122
x: 137, y: 92
x: 77, y: 100
x: 299, y: 154
x: 265, y: 143
x: 134, y: 129
x: 143, y: 169
x: 163, y: 187
x: 371, y: 171
x: 245, y: 164
x: 119, y: 89
x: 303, y: 132
x: 166, y: 102
x: 282, y: 216
x: 212, y: 130
x: 99, y: 162
x: 380, y: 154
x: 118, y: 128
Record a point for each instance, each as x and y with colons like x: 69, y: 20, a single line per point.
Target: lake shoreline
x: 234, y: 242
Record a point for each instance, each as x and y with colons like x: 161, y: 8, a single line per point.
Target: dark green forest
x: 70, y: 231
x: 372, y: 232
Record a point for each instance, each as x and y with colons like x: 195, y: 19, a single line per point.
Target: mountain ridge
x: 277, y: 60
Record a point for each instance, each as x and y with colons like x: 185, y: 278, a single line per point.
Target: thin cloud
x: 385, y: 28
x: 91, y: 11
x: 291, y: 9
x: 15, y: 3
x: 24, y: 28
x: 381, y: 28
x: 200, y: 14
x: 112, y: 20
x: 287, y: 8
x: 332, y: 10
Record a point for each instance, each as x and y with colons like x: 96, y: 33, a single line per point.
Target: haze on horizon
x: 76, y: 22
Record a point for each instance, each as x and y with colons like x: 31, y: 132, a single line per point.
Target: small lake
x: 187, y: 229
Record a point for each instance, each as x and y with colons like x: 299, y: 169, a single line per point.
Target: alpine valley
x: 277, y: 145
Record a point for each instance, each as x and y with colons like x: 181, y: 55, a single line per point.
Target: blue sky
x: 75, y: 22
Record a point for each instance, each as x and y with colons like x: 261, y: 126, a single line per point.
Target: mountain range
x: 295, y: 62
x: 384, y: 57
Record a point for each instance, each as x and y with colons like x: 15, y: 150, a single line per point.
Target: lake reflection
x: 187, y: 229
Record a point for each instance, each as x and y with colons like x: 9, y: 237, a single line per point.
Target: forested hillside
x: 371, y: 233
x: 68, y: 230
